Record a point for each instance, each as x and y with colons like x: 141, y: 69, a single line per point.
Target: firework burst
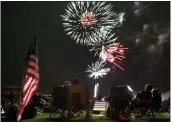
x: 107, y: 42
x: 109, y: 50
x: 86, y: 22
x: 97, y: 70
x: 114, y: 54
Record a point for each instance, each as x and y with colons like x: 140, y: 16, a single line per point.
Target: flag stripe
x: 32, y: 65
x: 28, y: 90
x: 26, y: 79
x: 34, y: 58
x: 27, y: 84
x: 29, y: 95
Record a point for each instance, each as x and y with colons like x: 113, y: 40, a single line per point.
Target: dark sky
x: 62, y: 59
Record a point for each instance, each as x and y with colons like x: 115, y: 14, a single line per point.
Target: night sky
x: 62, y: 59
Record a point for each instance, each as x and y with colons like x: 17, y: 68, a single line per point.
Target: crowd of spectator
x: 9, y: 100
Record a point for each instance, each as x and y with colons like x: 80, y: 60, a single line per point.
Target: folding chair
x: 60, y: 102
x: 143, y: 106
x: 119, y: 101
x: 79, y: 101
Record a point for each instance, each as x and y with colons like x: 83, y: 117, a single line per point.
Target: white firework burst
x: 87, y: 21
x: 97, y: 70
x: 108, y: 40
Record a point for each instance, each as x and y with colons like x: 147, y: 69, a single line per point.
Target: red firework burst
x: 87, y: 18
x: 115, y: 54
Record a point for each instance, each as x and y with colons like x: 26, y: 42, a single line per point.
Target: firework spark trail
x: 87, y: 22
x: 97, y: 70
x: 129, y: 88
x: 96, y: 89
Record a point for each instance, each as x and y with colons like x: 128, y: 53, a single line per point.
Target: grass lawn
x: 45, y: 118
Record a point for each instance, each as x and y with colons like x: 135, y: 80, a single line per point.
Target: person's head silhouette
x: 75, y: 81
x: 67, y: 83
x: 148, y: 87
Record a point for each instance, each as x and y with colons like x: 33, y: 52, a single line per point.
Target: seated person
x: 144, y: 98
x: 156, y: 99
x: 66, y: 84
x: 98, y: 98
x: 79, y: 96
x: 145, y: 95
x: 78, y: 88
x: 119, y: 100
x: 75, y: 81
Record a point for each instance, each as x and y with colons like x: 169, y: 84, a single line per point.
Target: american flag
x: 31, y: 79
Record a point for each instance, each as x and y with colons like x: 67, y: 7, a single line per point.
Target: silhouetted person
x: 75, y: 81
x: 37, y: 102
x: 98, y: 98
x: 119, y: 100
x: 91, y: 101
x: 37, y: 99
x: 67, y: 84
x: 156, y: 99
x: 143, y: 99
x: 145, y: 95
x: 79, y: 97
x: 148, y: 89
x: 11, y: 98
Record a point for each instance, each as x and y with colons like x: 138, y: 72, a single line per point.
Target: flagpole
x: 37, y: 54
